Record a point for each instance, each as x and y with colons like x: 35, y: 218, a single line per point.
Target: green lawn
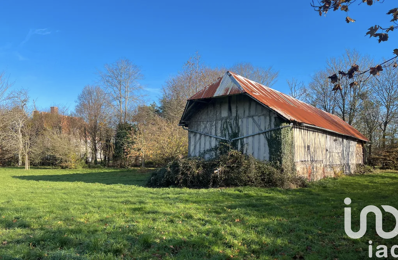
x: 108, y: 214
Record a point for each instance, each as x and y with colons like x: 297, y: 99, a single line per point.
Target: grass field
x: 108, y: 214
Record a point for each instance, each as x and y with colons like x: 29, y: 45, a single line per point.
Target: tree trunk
x: 95, y: 153
x: 108, y: 152
x: 383, y: 141
x: 20, y: 148
x: 27, y: 161
x: 86, y: 145
x: 20, y: 158
x: 143, y: 161
x: 370, y: 146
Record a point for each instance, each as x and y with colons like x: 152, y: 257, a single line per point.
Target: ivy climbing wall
x: 231, y: 117
x: 311, y: 153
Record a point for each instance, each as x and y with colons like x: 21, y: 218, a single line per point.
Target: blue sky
x: 55, y: 48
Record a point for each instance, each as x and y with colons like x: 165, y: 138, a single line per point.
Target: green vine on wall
x: 229, y: 129
x: 281, y: 147
x: 280, y: 143
x: 287, y: 148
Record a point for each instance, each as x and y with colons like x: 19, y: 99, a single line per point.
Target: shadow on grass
x: 392, y: 176
x: 32, y: 168
x: 128, y: 242
x: 131, y: 240
x: 248, y: 223
x: 109, y: 178
x: 277, y: 234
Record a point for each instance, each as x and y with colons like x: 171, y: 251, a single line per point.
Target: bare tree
x: 296, y: 88
x: 59, y: 140
x: 20, y: 131
x: 121, y: 83
x: 266, y: 76
x: 347, y: 99
x: 349, y: 94
x: 4, y: 111
x: 376, y: 31
x: 91, y: 107
x: 194, y: 77
x: 12, y: 134
x: 385, y: 89
x: 158, y: 140
x: 63, y: 147
x: 318, y: 93
x: 17, y: 119
x: 370, y: 121
x: 392, y: 132
x: 4, y: 87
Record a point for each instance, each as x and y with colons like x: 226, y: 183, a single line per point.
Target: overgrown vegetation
x: 157, y: 142
x: 364, y: 169
x: 123, y: 142
x: 231, y: 169
x: 386, y: 158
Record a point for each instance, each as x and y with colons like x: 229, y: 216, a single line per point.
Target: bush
x: 364, y: 169
x: 230, y: 170
x: 386, y: 158
x: 73, y: 162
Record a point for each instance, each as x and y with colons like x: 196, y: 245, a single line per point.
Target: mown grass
x: 108, y: 214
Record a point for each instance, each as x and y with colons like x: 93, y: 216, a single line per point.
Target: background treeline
x: 371, y: 105
x: 112, y: 125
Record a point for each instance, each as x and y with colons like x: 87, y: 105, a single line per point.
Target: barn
x: 271, y: 126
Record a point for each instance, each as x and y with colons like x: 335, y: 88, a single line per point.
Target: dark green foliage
x: 229, y: 170
x: 231, y: 129
x: 274, y: 141
x: 122, y: 141
x: 364, y: 169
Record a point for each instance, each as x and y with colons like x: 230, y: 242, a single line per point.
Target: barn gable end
x: 232, y: 117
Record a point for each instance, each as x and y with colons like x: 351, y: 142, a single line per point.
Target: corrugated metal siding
x: 210, y: 119
x: 320, y: 154
x: 222, y: 87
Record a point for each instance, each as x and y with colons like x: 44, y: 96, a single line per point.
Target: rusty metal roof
x: 288, y: 107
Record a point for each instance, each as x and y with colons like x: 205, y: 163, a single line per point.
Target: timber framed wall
x: 320, y: 154
x: 314, y: 153
x: 230, y: 117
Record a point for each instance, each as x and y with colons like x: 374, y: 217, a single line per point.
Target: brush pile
x: 386, y: 159
x: 232, y: 169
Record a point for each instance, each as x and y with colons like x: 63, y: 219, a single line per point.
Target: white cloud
x: 20, y: 57
x: 32, y: 32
